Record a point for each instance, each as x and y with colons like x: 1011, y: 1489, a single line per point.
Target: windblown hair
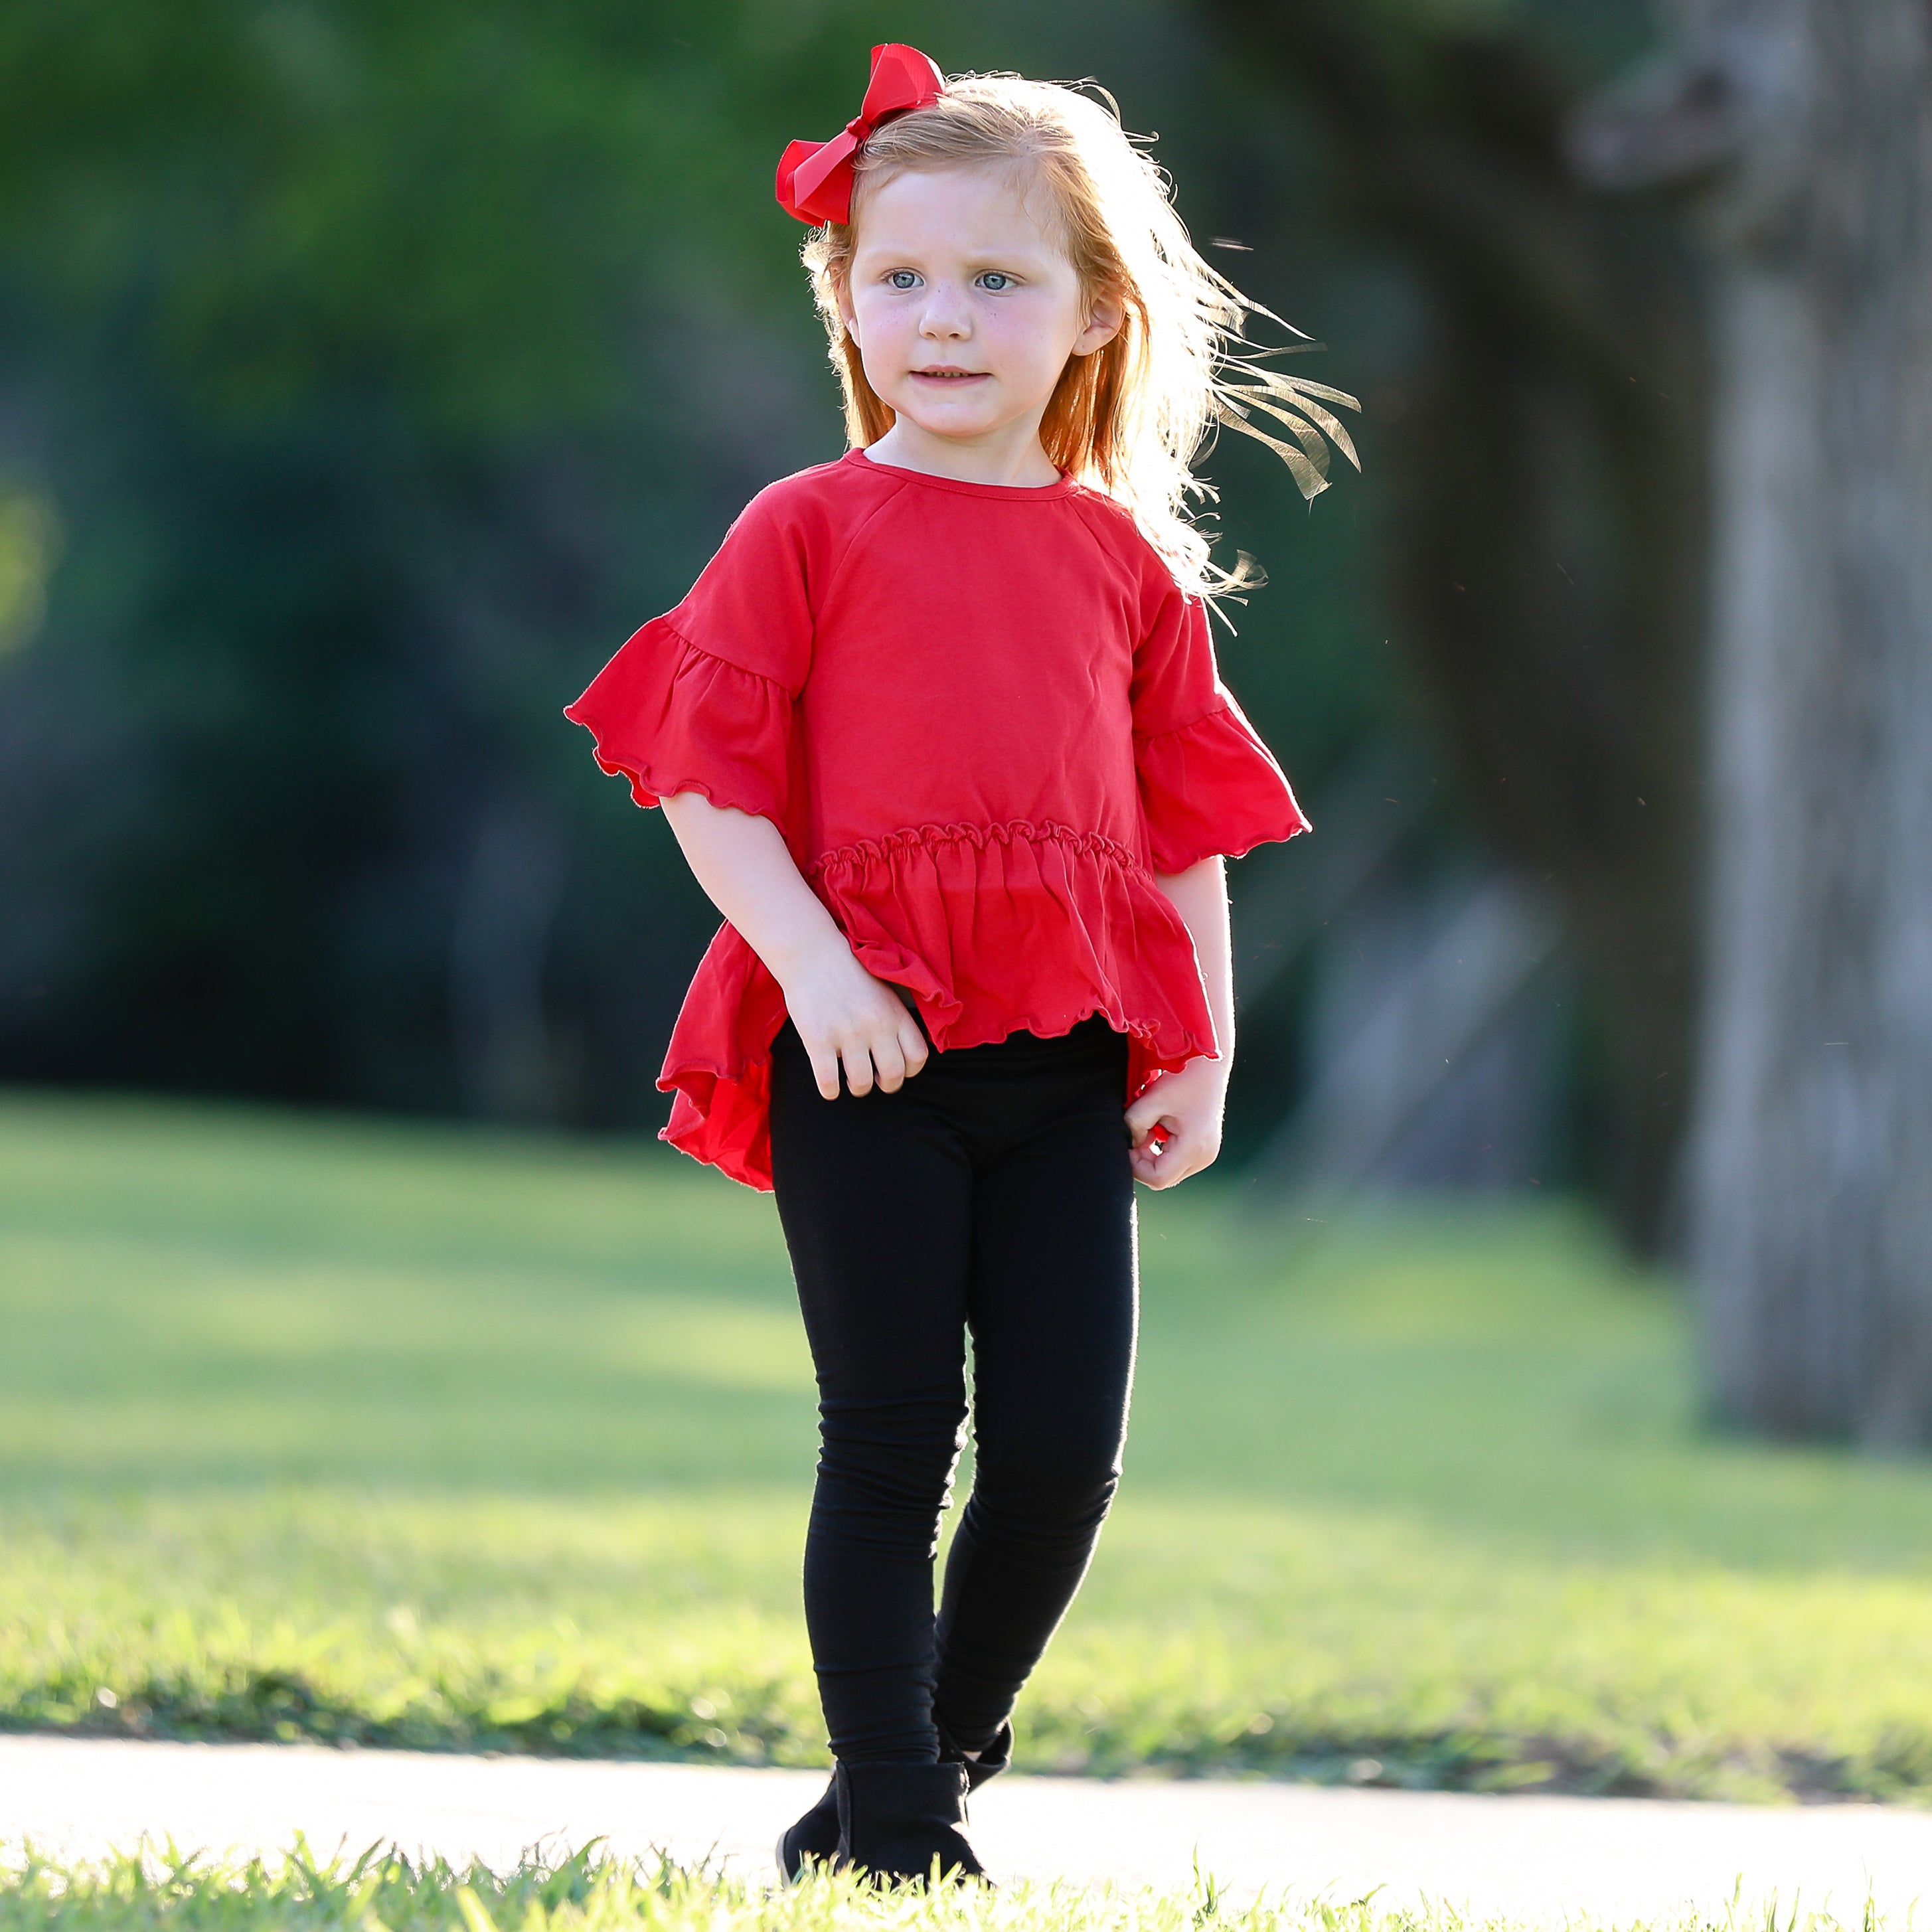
x: 1131, y: 418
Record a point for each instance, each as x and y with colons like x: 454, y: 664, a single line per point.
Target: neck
x: 1010, y: 456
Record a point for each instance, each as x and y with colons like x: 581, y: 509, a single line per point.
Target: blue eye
x: 993, y: 281
x: 902, y: 278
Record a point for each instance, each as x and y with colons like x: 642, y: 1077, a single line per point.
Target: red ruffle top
x: 983, y: 718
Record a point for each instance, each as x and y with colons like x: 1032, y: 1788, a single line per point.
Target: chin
x: 945, y: 425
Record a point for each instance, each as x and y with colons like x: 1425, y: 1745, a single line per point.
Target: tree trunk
x: 1811, y: 1204
x: 1548, y: 535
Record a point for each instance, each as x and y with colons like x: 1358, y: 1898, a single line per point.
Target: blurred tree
x: 1808, y: 125
x: 1547, y: 534
x: 387, y: 365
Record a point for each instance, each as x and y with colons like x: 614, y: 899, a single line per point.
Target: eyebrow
x: 983, y: 259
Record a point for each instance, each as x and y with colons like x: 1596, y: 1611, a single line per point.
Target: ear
x: 1106, y: 315
x: 847, y: 314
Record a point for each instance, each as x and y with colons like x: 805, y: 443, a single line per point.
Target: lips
x: 950, y: 375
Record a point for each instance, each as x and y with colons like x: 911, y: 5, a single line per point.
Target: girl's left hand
x: 1187, y: 1106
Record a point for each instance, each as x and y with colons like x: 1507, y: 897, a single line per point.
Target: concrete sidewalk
x: 1540, y: 1859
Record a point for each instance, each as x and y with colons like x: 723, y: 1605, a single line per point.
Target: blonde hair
x: 1131, y: 418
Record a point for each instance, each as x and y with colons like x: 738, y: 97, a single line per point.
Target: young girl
x: 938, y: 729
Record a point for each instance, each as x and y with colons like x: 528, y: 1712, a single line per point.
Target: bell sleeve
x: 1207, y: 783
x: 702, y: 698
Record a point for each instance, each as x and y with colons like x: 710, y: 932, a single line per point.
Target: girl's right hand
x: 844, y: 1015
x: 842, y: 1012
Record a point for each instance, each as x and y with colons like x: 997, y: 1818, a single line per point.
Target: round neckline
x: 1011, y: 492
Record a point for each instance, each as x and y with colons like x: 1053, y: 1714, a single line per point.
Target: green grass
x: 419, y: 1437
x: 382, y: 1891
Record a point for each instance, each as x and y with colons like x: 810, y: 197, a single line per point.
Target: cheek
x: 879, y: 322
x: 1040, y: 338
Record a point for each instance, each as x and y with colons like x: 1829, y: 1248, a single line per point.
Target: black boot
x: 814, y: 1836
x: 991, y: 1762
x: 895, y: 1819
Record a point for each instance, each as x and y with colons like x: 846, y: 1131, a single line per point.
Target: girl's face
x: 965, y: 308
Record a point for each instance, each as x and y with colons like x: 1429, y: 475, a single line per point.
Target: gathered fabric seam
x: 1010, y: 832
x: 698, y: 650
x: 1223, y: 709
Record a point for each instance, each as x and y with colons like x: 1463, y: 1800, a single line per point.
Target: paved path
x: 1542, y: 1859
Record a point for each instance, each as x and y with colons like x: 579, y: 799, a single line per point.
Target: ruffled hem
x: 1212, y: 787
x: 672, y: 718
x: 993, y: 930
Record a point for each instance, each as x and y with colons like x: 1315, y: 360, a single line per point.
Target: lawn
x: 419, y: 1436
x: 381, y: 1891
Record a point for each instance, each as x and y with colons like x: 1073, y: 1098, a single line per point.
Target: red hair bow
x: 815, y: 177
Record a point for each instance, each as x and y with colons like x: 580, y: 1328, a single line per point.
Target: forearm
x: 1186, y: 1106
x: 748, y: 873
x: 843, y: 1015
x: 1200, y: 895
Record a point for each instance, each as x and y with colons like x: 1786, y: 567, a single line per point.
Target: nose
x: 947, y: 316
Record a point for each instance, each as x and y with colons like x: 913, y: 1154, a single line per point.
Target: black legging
x: 990, y: 1194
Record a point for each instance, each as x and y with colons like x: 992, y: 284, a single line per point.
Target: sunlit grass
x: 383, y: 1891
x: 414, y: 1436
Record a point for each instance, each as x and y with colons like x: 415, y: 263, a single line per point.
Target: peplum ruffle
x: 992, y: 929
x: 671, y: 717
x: 1212, y: 787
